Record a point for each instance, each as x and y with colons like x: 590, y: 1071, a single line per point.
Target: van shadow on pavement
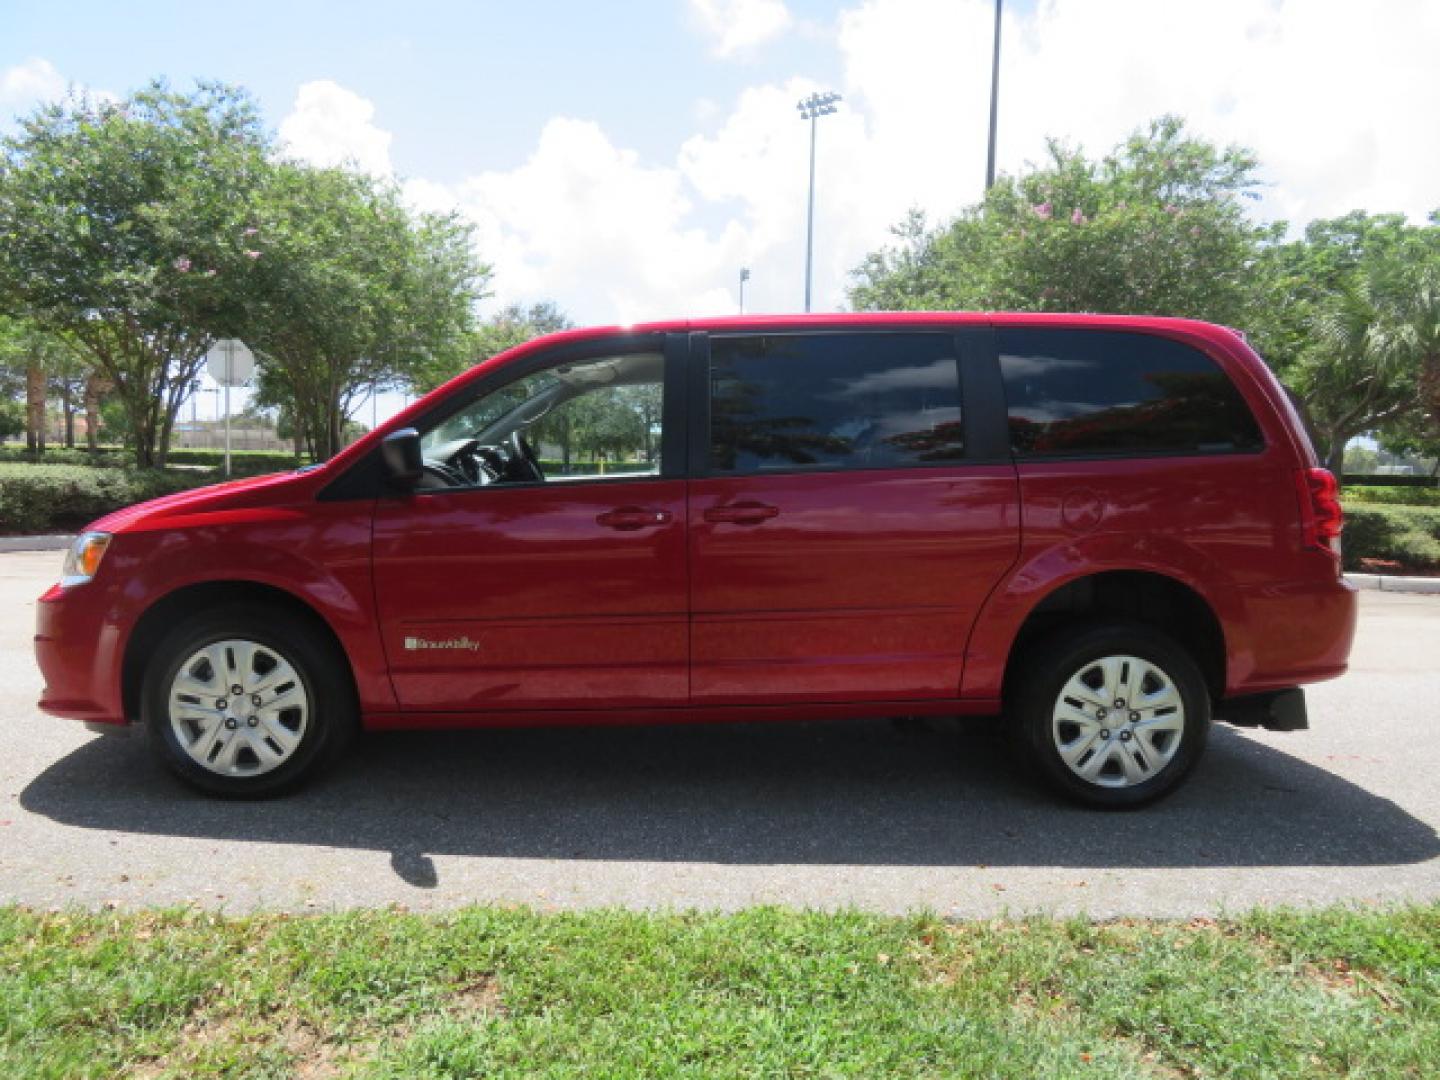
x: 868, y: 793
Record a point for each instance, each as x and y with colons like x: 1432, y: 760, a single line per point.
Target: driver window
x: 591, y: 419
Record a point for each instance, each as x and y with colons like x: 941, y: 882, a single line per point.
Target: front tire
x: 1113, y: 715
x: 246, y: 702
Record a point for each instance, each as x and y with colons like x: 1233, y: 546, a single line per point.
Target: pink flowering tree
x: 1156, y: 226
x: 352, y: 292
x: 122, y: 228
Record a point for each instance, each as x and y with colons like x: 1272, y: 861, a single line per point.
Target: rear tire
x: 246, y: 701
x: 1113, y: 715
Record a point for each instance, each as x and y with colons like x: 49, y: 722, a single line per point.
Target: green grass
x: 501, y: 992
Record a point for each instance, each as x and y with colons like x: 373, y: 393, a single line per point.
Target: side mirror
x: 400, y: 450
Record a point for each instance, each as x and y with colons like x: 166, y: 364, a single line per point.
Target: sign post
x: 230, y: 363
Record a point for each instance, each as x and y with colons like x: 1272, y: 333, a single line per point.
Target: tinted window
x: 1099, y: 392
x: 833, y: 401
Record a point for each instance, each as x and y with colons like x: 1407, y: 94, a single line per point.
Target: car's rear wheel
x: 246, y: 702
x: 1113, y: 715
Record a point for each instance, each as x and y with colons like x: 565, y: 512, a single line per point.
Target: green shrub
x: 245, y: 462
x: 1409, y: 535
x: 59, y: 455
x: 242, y: 463
x: 35, y: 498
x: 12, y: 418
x: 1392, y: 496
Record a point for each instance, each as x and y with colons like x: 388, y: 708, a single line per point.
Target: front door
x: 557, y: 582
x: 844, y: 529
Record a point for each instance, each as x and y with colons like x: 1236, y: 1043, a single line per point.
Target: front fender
x: 319, y: 556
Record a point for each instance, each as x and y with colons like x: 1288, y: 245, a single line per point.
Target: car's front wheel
x: 1113, y: 715
x: 246, y: 702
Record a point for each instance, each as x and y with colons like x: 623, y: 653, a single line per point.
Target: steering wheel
x: 435, y: 475
x: 471, y: 462
x: 524, y: 462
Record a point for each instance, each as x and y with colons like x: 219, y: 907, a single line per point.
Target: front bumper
x: 78, y: 649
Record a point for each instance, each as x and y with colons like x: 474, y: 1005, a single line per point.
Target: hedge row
x: 272, y: 460
x: 1392, y: 496
x: 244, y: 462
x: 47, y: 498
x: 1408, y: 535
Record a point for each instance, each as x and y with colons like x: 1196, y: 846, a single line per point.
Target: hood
x: 252, y: 491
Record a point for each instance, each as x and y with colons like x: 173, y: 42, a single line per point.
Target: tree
x: 45, y: 361
x: 66, y: 380
x: 115, y: 420
x: 1415, y: 436
x: 1156, y: 227
x: 1419, y: 334
x: 514, y: 324
x: 126, y: 226
x: 353, y: 292
x: 96, y: 387
x: 1350, y: 318
x: 1359, y: 378
x: 12, y: 418
x: 647, y: 403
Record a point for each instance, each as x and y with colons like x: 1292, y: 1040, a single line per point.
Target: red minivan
x: 1105, y: 529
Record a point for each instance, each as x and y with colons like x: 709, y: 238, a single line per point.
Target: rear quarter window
x: 1095, y: 392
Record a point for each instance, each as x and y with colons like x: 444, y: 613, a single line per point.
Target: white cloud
x: 30, y: 83
x: 330, y: 125
x: 37, y: 82
x: 585, y: 222
x: 1337, y: 100
x: 738, y: 26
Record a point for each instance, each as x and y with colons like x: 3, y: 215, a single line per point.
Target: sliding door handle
x: 742, y: 513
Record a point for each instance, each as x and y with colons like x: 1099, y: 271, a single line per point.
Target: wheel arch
x: 186, y: 600
x: 1144, y: 596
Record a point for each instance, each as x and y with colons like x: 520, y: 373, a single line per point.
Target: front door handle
x: 741, y: 513
x: 630, y: 518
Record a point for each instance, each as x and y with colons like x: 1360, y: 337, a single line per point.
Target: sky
x: 627, y: 159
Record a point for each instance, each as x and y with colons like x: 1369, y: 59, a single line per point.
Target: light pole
x: 994, y: 98
x: 812, y: 108
x: 744, y: 277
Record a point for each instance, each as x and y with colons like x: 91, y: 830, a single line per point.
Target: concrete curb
x: 1388, y: 583
x: 35, y: 543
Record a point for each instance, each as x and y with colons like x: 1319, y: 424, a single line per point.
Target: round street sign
x: 230, y: 362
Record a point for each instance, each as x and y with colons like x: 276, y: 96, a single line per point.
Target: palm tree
x: 1368, y: 377
x: 1420, y: 334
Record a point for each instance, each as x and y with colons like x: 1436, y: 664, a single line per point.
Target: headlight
x: 83, y: 558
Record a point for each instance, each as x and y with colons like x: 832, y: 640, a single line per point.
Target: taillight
x: 1321, y: 518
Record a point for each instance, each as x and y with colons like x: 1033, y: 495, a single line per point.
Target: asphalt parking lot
x: 878, y: 815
